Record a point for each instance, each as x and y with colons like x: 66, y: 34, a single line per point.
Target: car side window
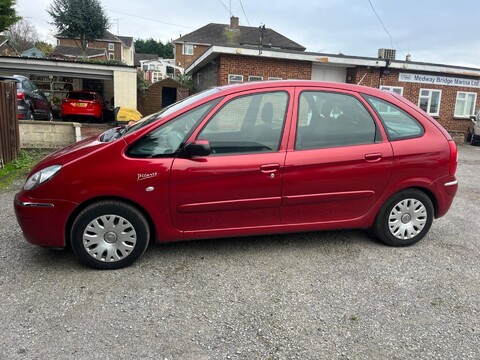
x: 27, y: 85
x: 248, y: 124
x: 328, y: 119
x: 166, y: 140
x: 398, y: 124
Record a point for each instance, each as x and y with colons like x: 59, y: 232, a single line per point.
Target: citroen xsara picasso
x: 255, y: 158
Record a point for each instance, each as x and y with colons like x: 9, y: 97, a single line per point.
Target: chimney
x: 234, y: 23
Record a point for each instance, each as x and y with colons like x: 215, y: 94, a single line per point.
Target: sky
x: 432, y: 31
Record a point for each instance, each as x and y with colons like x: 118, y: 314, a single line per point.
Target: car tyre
x: 475, y: 140
x: 405, y: 218
x: 109, y: 235
x: 29, y: 115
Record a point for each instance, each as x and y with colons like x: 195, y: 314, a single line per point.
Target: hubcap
x: 109, y: 238
x: 407, y: 219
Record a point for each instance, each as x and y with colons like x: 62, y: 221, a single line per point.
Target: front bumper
x: 43, y: 222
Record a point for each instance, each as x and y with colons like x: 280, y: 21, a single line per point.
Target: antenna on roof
x: 260, y: 40
x: 118, y: 25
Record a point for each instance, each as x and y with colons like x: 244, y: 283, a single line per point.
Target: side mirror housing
x: 197, y: 148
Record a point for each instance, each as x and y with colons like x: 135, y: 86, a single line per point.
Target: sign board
x: 438, y: 80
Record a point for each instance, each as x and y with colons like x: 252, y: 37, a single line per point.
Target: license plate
x: 80, y: 104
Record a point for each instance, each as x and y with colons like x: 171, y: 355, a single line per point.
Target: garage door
x: 328, y: 73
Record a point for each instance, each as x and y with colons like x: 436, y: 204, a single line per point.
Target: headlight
x: 41, y: 176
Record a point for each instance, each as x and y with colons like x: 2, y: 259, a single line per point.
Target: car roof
x: 82, y: 92
x: 232, y: 88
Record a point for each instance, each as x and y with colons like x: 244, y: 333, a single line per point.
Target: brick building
x: 448, y: 93
x: 111, y: 47
x: 190, y: 47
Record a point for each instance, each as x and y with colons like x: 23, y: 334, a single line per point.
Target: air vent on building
x: 387, y: 54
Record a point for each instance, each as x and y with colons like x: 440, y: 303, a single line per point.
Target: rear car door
x: 40, y: 102
x: 239, y: 184
x: 340, y: 162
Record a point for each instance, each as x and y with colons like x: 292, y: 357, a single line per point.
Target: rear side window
x: 331, y: 120
x: 398, y: 124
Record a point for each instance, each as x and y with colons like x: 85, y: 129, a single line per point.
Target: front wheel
x: 109, y: 235
x: 405, y: 218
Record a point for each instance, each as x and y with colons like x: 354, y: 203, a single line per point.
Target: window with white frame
x: 187, y: 49
x: 234, y: 79
x: 465, y: 104
x: 396, y: 89
x: 429, y: 101
x: 274, y: 78
x: 255, y: 78
x: 111, y: 46
x: 111, y: 56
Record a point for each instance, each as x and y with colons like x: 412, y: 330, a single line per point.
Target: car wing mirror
x: 197, y: 148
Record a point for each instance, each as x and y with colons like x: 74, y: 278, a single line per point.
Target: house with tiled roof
x: 110, y: 47
x: 191, y: 46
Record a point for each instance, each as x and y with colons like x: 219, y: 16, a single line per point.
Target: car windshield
x: 170, y: 109
x: 116, y: 133
x: 81, y: 96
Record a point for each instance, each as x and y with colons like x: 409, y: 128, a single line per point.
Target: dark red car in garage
x: 247, y: 159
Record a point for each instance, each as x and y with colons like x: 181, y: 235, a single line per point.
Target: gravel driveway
x: 324, y: 295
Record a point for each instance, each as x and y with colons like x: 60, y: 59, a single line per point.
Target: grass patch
x: 18, y: 169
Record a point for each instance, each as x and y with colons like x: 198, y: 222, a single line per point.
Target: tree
x: 22, y: 35
x: 8, y: 15
x: 152, y: 46
x: 44, y: 47
x: 84, y: 20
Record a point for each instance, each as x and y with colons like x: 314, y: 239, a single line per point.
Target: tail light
x: 453, y: 158
x: 20, y: 95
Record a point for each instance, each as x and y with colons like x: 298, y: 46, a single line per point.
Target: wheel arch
x: 80, y: 207
x: 430, y: 194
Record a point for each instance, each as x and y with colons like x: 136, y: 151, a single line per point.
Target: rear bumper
x: 42, y: 221
x: 68, y: 110
x: 444, y: 190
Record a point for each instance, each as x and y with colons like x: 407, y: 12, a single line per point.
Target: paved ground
x: 329, y: 295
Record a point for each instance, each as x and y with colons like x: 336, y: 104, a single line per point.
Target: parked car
x: 245, y: 159
x: 81, y: 106
x: 474, y: 130
x: 32, y: 102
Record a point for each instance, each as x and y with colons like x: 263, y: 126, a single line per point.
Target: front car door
x: 339, y: 164
x: 238, y: 186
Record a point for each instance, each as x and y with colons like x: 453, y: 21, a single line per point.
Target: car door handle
x: 373, y: 157
x: 269, y: 168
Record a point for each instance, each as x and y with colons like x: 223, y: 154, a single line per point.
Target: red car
x: 81, y: 105
x: 247, y: 159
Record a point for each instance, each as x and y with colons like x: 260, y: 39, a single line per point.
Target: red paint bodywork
x: 244, y: 194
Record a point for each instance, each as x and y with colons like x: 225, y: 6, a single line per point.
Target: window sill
x: 461, y: 118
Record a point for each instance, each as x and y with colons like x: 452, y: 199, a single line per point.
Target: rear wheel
x: 475, y: 141
x: 405, y: 218
x: 29, y: 115
x: 109, y: 235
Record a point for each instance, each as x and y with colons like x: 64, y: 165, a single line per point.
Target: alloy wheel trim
x: 109, y: 238
x: 407, y: 219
